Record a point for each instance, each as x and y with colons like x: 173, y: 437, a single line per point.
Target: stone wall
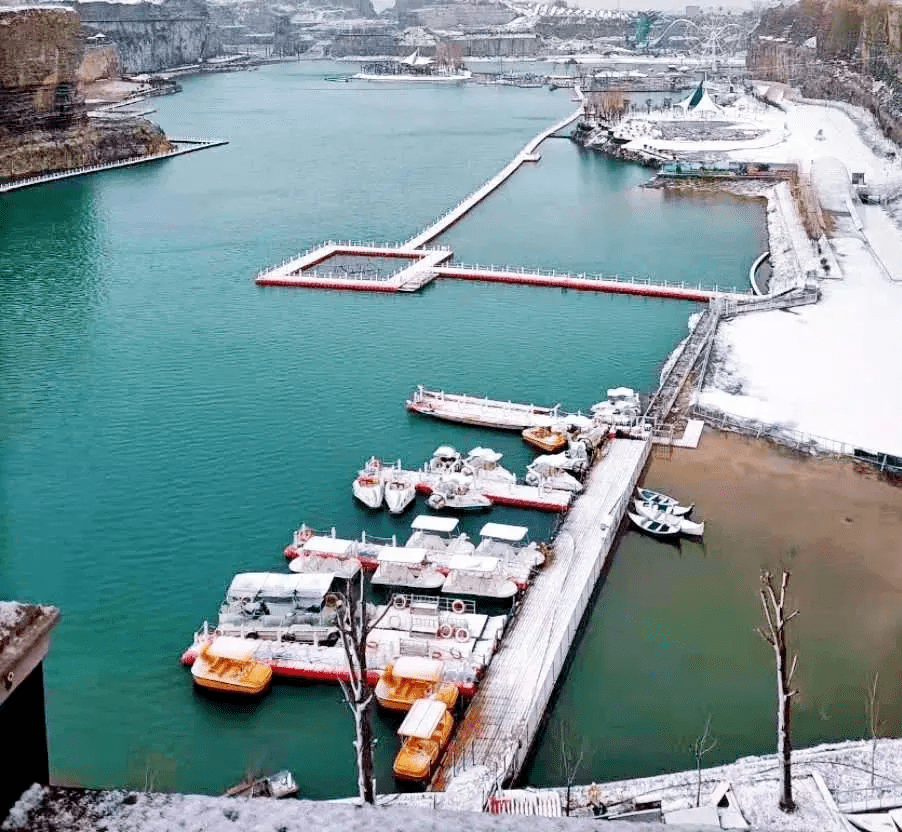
x: 40, y: 52
x: 152, y: 37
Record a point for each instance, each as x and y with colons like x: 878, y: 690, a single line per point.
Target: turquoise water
x: 164, y: 423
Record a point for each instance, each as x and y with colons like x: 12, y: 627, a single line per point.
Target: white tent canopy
x: 430, y: 523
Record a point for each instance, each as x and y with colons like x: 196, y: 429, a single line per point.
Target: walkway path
x: 187, y: 146
x: 502, y: 720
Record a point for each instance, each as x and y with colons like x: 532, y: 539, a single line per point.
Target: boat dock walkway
x: 504, y: 717
x: 183, y: 146
x: 527, y: 154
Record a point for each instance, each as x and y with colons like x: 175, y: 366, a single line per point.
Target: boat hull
x: 652, y: 527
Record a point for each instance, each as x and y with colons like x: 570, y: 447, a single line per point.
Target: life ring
x: 331, y: 599
x: 461, y: 634
x: 399, y: 602
x: 456, y: 654
x: 305, y: 535
x: 445, y: 631
x: 394, y: 622
x: 458, y: 606
x: 436, y: 654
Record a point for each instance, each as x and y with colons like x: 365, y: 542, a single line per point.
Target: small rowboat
x: 670, y: 504
x: 654, y: 527
x: 654, y: 512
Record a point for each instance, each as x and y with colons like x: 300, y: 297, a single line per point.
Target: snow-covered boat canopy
x: 230, y: 647
x: 484, y: 455
x: 327, y: 545
x: 422, y: 719
x: 418, y: 667
x: 401, y: 554
x: 621, y: 393
x: 445, y: 452
x: 275, y: 585
x: 431, y: 523
x: 473, y: 563
x: 499, y: 531
x: 345, y: 569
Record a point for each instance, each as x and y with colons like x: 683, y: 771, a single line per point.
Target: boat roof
x: 621, y: 392
x: 422, y: 719
x: 485, y: 454
x: 418, y: 667
x: 231, y: 647
x: 499, y: 531
x: 473, y: 563
x: 342, y: 569
x: 308, y: 583
x: 330, y: 545
x: 444, y: 451
x: 401, y: 554
x: 431, y: 523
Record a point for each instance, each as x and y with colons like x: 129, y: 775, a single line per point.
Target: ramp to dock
x: 502, y: 721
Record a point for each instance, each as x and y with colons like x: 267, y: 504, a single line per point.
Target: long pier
x: 189, y: 146
x: 504, y: 717
x: 527, y: 154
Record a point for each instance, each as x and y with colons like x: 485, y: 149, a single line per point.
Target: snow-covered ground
x: 830, y: 370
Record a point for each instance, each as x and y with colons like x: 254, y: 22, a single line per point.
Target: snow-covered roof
x: 416, y: 59
x: 444, y: 451
x: 499, y: 531
x: 401, y: 554
x: 417, y: 667
x: 621, y: 393
x: 484, y: 454
x: 472, y: 563
x: 329, y: 545
x: 249, y: 584
x: 430, y: 523
x: 422, y: 719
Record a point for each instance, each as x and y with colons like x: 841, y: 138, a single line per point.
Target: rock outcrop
x: 153, y: 36
x: 40, y: 52
x: 846, y: 50
x: 43, y: 123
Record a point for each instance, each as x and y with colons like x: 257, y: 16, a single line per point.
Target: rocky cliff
x: 153, y: 36
x: 40, y: 52
x: 849, y: 50
x: 43, y: 123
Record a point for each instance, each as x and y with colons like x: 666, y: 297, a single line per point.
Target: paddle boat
x: 406, y: 566
x: 426, y: 730
x: 437, y: 534
x: 233, y: 673
x: 455, y: 493
x: 411, y: 678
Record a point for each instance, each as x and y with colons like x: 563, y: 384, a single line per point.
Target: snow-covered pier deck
x: 182, y: 146
x: 502, y: 720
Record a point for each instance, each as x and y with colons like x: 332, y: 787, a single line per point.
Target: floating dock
x: 187, y: 146
x: 504, y: 717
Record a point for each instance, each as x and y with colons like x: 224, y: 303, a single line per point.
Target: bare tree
x: 354, y: 628
x: 700, y: 747
x: 874, y: 723
x: 774, y: 633
x: 570, y: 767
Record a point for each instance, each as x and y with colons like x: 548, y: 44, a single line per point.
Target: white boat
x: 406, y: 567
x: 445, y: 460
x: 456, y: 493
x: 480, y: 576
x: 400, y: 491
x: 274, y: 605
x: 542, y: 474
x: 436, y: 534
x: 482, y: 464
x: 646, y: 495
x: 654, y: 527
x: 279, y: 785
x: 655, y: 512
x: 621, y: 408
x: 508, y: 543
x: 369, y: 486
x: 565, y: 461
x: 473, y: 410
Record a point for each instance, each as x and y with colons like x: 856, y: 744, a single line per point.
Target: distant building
x: 693, y: 11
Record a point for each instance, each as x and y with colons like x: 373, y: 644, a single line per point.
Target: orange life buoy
x: 445, y: 631
x: 436, y: 654
x: 458, y: 606
x: 461, y: 634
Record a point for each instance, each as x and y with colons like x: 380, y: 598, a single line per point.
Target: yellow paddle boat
x: 230, y: 673
x: 411, y: 678
x: 545, y: 439
x: 426, y: 730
